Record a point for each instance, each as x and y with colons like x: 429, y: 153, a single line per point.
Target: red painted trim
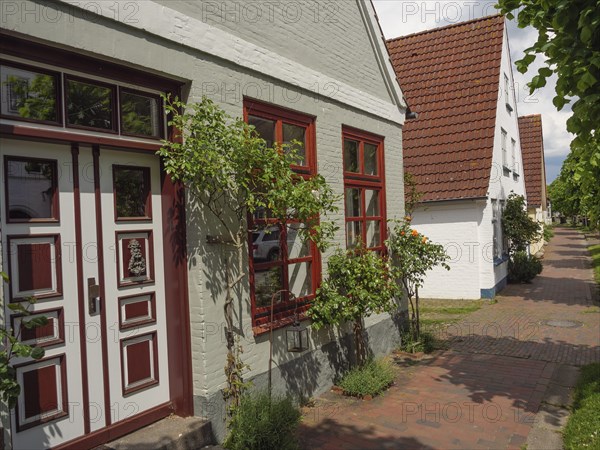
x: 81, y: 294
x: 55, y: 203
x: 287, y: 307
x: 151, y: 309
x: 101, y: 280
x: 362, y: 182
x: 58, y: 266
x: 63, y: 136
x: 19, y: 45
x: 64, y: 388
x: 154, y: 382
x: 176, y: 295
x: 119, y: 429
x: 150, y: 257
x: 147, y: 193
x: 114, y: 104
x: 57, y: 85
x: 60, y: 339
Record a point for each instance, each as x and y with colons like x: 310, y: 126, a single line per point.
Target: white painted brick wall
x: 226, y: 83
x: 453, y: 225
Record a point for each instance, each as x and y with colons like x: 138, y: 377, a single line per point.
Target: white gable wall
x: 453, y: 224
x: 503, y: 180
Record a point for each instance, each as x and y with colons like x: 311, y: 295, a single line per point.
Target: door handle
x: 93, y: 295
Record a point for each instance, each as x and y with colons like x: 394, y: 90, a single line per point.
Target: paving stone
x: 558, y: 395
x: 487, y: 390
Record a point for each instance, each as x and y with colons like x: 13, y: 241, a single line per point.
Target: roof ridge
x: 436, y: 29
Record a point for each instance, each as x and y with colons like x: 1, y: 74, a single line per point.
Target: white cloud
x: 402, y: 17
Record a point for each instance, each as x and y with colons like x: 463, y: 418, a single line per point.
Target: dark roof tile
x: 532, y: 148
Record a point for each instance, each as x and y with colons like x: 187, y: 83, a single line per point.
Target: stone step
x: 171, y: 433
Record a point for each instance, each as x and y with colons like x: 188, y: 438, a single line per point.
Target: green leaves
x: 358, y: 284
x: 517, y: 226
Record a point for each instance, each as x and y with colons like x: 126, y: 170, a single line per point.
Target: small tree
x: 229, y: 170
x: 358, y: 284
x: 11, y: 347
x: 517, y: 226
x: 412, y: 256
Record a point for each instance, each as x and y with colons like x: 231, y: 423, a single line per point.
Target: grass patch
x: 263, y: 423
x: 595, y: 252
x: 426, y: 344
x: 583, y: 428
x: 371, y: 379
x: 450, y: 309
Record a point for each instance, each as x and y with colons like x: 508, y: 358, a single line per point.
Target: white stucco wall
x: 455, y: 225
x: 165, y: 41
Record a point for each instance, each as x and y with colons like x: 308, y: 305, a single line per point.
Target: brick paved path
x: 486, y: 390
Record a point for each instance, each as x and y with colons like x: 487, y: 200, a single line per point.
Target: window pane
x: 296, y: 133
x: 89, y: 105
x: 297, y: 247
x: 373, y: 233
x: 266, y: 245
x: 371, y: 159
x: 372, y: 203
x: 31, y: 189
x: 300, y: 279
x: 350, y: 156
x: 140, y: 114
x: 353, y: 202
x: 27, y: 94
x: 266, y: 283
x: 264, y: 127
x: 131, y: 186
x: 353, y: 233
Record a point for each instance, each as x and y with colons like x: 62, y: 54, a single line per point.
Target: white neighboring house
x: 463, y: 149
x: 534, y: 168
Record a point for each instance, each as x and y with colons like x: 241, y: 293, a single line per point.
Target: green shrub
x: 371, y: 379
x: 426, y: 343
x: 583, y: 428
x: 522, y: 268
x: 263, y: 423
x: 548, y: 233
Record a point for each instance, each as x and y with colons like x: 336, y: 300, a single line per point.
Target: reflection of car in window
x: 265, y: 243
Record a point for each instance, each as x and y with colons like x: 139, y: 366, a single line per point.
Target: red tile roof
x: 450, y: 77
x: 532, y: 148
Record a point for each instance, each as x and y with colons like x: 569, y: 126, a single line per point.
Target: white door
x: 87, y: 243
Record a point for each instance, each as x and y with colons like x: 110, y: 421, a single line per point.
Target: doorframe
x: 173, y: 233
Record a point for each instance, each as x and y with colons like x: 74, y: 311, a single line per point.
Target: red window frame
x: 362, y: 181
x: 284, y: 310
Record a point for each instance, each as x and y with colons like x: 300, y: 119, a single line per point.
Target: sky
x: 402, y: 17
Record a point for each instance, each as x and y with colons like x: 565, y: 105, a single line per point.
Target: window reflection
x: 31, y: 189
x: 140, y: 114
x: 132, y: 190
x: 267, y: 282
x: 89, y: 105
x: 27, y: 94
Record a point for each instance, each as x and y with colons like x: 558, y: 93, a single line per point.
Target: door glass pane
x: 264, y: 127
x: 353, y: 208
x: 31, y: 185
x: 132, y: 191
x: 373, y: 233
x: 28, y: 94
x: 353, y: 233
x: 266, y: 283
x: 297, y: 247
x: 296, y: 133
x: 140, y: 114
x: 371, y: 159
x: 350, y: 156
x: 372, y: 203
x: 90, y: 105
x: 266, y: 245
x: 300, y: 279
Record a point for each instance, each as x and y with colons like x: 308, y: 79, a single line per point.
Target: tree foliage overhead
x: 569, y: 38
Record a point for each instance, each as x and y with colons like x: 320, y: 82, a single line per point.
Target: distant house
x: 534, y: 169
x: 463, y: 149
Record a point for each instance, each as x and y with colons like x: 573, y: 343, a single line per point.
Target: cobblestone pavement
x: 488, y: 389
